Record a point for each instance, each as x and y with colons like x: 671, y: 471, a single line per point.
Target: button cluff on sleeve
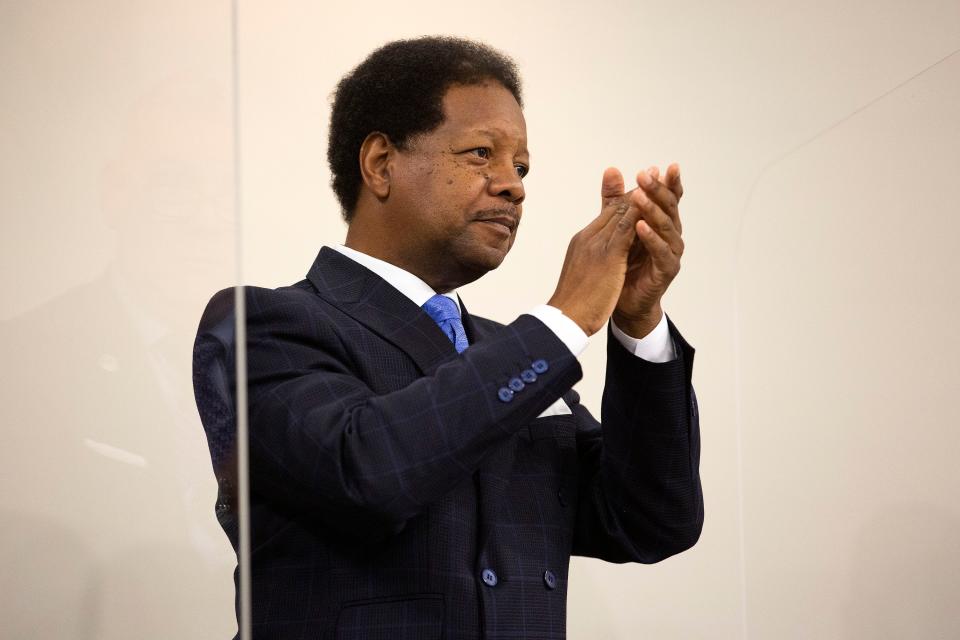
x: 527, y: 376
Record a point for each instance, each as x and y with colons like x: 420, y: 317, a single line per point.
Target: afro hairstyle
x: 398, y: 91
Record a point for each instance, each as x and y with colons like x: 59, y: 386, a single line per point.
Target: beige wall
x: 819, y: 144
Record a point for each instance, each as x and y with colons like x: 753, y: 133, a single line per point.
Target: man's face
x: 458, y: 189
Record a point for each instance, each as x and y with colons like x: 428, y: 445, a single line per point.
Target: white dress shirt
x: 654, y: 347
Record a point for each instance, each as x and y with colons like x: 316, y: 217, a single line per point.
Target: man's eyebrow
x: 493, y: 133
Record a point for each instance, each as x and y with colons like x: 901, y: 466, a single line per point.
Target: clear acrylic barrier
x: 117, y: 198
x: 816, y: 286
x: 848, y: 355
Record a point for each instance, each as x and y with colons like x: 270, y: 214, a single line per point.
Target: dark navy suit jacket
x: 396, y: 494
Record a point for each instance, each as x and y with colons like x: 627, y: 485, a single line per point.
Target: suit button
x: 505, y: 395
x: 528, y: 376
x: 539, y: 366
x: 516, y: 384
x: 489, y: 577
x: 549, y: 579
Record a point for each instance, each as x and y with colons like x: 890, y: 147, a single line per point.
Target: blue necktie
x: 446, y: 313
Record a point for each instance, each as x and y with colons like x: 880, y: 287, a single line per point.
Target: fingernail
x: 644, y: 179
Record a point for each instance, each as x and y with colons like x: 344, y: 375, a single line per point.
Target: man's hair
x: 398, y: 91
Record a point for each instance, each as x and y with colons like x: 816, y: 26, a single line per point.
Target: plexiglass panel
x: 816, y: 285
x: 118, y: 224
x: 848, y: 356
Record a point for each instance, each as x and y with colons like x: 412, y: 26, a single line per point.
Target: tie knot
x: 446, y: 313
x: 441, y: 308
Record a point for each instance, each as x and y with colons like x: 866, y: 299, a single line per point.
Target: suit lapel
x: 375, y: 303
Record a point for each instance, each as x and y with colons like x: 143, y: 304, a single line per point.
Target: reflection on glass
x: 107, y: 503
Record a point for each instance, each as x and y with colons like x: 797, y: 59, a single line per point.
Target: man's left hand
x: 654, y: 259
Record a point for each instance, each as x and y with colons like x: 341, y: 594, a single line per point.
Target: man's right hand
x: 596, y: 262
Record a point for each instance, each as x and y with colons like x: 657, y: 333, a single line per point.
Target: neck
x: 427, y: 266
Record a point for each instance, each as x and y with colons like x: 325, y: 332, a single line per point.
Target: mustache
x: 508, y: 215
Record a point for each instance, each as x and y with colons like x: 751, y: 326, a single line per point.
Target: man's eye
x: 522, y: 170
x: 482, y: 152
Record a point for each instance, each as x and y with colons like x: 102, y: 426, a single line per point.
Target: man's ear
x: 376, y: 162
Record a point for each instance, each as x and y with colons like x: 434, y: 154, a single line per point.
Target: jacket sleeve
x: 639, y: 493
x: 322, y: 441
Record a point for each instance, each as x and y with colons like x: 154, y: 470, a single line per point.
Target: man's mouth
x: 500, y: 225
x: 503, y: 221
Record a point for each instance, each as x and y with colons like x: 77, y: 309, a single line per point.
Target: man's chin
x: 493, y: 257
x: 479, y: 263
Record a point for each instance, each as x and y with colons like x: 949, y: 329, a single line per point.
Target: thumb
x: 612, y: 183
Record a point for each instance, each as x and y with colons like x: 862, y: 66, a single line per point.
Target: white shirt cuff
x: 656, y: 346
x: 566, y: 329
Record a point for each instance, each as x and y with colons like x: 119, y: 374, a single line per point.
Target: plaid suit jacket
x: 396, y: 495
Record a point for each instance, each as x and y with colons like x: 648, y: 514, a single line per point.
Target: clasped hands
x: 622, y: 262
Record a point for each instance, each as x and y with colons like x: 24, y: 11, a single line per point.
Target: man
x: 420, y: 472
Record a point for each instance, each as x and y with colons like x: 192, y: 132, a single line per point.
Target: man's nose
x: 505, y: 182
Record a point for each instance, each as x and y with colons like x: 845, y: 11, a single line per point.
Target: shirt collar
x: 403, y: 281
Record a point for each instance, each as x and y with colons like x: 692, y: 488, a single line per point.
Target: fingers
x: 659, y: 230
x: 618, y: 231
x: 662, y: 255
x: 672, y: 180
x: 656, y: 202
x: 661, y: 223
x: 658, y: 189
